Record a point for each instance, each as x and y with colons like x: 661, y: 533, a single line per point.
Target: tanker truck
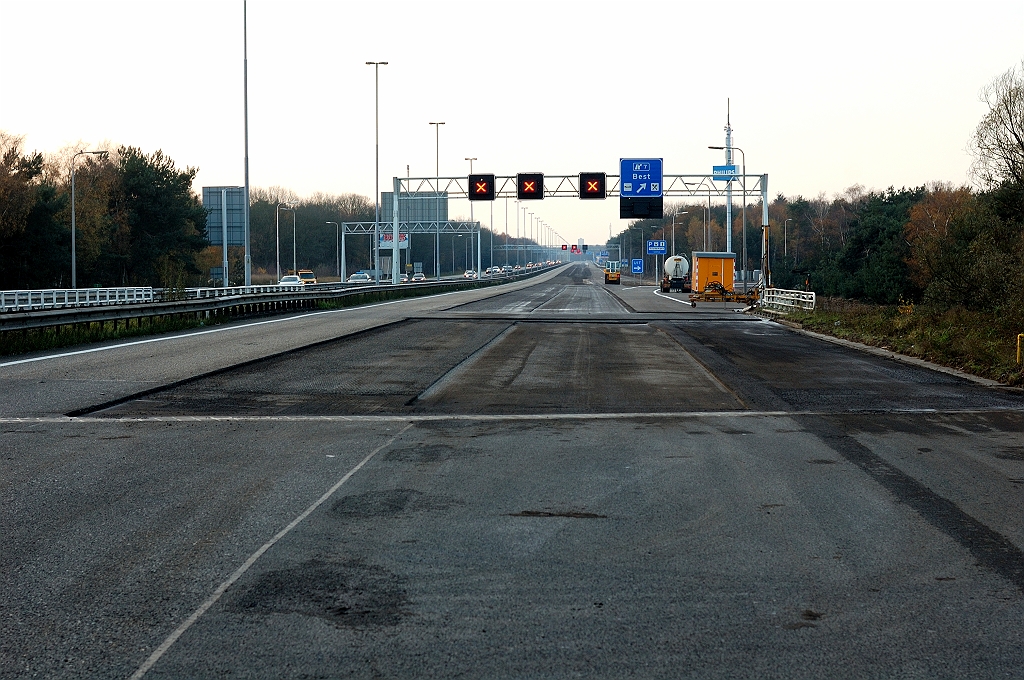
x: 677, y: 275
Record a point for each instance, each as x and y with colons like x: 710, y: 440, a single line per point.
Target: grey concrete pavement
x: 553, y: 491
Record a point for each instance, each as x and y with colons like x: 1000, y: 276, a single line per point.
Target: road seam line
x: 238, y: 573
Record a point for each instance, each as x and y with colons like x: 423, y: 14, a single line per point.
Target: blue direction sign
x: 624, y: 264
x: 723, y: 173
x: 640, y: 177
x: 638, y: 266
x: 657, y: 247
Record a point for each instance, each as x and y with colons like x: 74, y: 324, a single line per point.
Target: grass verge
x: 980, y: 343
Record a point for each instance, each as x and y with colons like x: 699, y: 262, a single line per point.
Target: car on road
x: 290, y: 280
x: 307, y: 276
x: 404, y: 278
x: 507, y: 269
x: 360, y: 277
x: 418, y: 277
x: 469, y: 274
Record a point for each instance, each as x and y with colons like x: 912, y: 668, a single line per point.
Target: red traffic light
x: 565, y: 247
x: 592, y: 185
x: 481, y: 187
x: 529, y: 185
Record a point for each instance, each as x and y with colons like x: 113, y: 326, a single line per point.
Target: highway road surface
x: 552, y: 478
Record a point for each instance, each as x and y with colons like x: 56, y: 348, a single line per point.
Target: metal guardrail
x: 253, y: 300
x: 787, y: 300
x: 58, y: 298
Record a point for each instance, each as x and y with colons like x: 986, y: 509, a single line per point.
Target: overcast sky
x: 824, y: 95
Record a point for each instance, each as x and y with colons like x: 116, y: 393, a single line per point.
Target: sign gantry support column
x: 395, y: 252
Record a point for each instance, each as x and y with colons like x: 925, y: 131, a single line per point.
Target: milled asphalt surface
x: 566, y: 479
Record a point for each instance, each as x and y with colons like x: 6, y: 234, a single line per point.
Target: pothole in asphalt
x: 1011, y: 453
x: 346, y: 594
x: 431, y: 453
x: 388, y: 502
x: 572, y: 514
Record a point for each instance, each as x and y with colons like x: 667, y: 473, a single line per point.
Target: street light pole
x: 376, y: 167
x: 471, y: 218
x: 785, y: 238
x: 743, y: 209
x: 437, y: 199
x: 287, y: 206
x: 74, y: 257
x: 337, y: 245
x: 674, y: 229
x: 531, y: 234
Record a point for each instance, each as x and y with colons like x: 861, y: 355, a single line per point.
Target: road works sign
x: 640, y: 177
x: 657, y: 247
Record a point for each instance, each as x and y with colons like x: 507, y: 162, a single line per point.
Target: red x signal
x: 592, y: 185
x: 530, y: 185
x: 481, y: 187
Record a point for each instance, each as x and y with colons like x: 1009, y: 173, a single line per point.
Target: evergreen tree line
x: 138, y: 221
x: 939, y: 244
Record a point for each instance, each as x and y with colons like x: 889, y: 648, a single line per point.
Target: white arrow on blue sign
x: 638, y: 266
x: 640, y: 177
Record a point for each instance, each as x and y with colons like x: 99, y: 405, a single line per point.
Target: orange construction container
x: 713, y: 267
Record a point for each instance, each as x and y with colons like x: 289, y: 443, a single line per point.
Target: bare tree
x: 998, y: 142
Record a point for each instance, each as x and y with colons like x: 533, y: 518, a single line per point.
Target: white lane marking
x: 488, y: 418
x: 214, y: 330
x: 222, y: 588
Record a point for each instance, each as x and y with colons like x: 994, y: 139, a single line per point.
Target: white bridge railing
x: 787, y: 300
x: 30, y: 300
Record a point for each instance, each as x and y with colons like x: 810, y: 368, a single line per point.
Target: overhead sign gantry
x: 641, y: 190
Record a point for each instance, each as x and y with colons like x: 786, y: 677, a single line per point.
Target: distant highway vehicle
x: 290, y: 280
x: 360, y: 277
x: 418, y: 277
x: 677, y: 275
x: 507, y: 269
x: 611, y: 272
x: 469, y: 274
x: 307, y: 276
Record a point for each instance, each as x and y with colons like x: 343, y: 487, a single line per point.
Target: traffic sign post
x: 641, y: 188
x: 657, y: 247
x: 640, y: 177
x: 638, y: 268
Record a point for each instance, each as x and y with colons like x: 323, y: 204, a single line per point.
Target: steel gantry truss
x: 436, y: 227
x: 568, y: 186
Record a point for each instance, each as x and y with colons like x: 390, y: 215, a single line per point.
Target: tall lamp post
x: 785, y: 238
x: 376, y: 167
x: 337, y: 245
x: 287, y: 206
x: 471, y: 218
x: 74, y: 263
x: 674, y: 229
x: 743, y: 209
x: 530, y: 259
x: 437, y: 200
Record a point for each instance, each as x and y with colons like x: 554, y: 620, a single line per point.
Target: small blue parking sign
x: 640, y: 177
x: 657, y: 247
x: 638, y: 266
